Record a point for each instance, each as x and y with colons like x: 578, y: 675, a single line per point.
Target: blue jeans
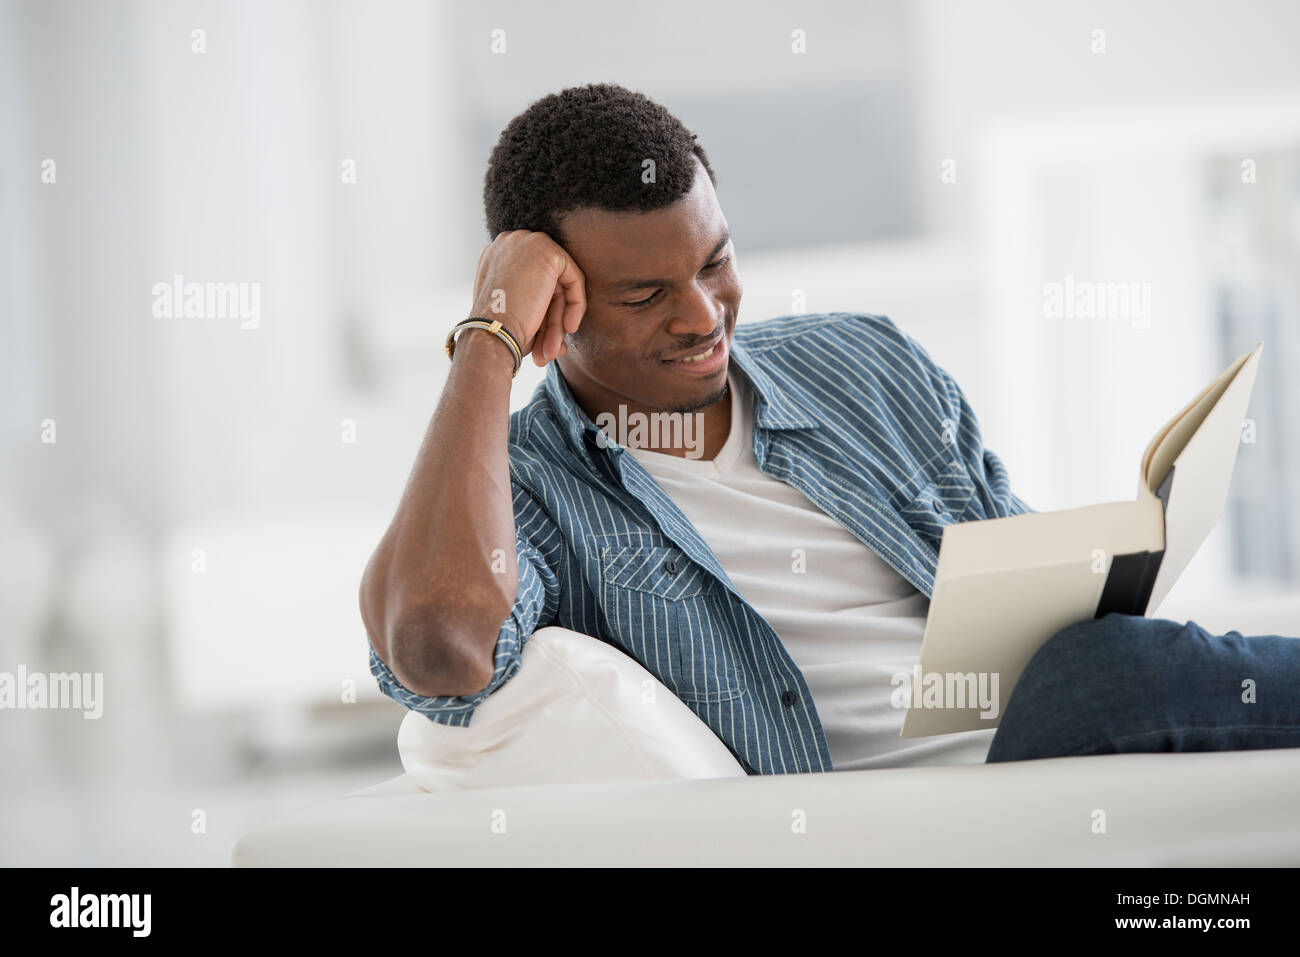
x: 1123, y: 683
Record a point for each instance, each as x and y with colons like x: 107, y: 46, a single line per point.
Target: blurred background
x: 187, y: 504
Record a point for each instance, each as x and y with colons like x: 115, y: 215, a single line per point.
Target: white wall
x: 981, y: 61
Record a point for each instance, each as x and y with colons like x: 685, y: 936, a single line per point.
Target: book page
x: 1171, y: 439
x: 1202, y: 471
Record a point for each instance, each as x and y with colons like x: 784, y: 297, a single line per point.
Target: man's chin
x: 697, y: 405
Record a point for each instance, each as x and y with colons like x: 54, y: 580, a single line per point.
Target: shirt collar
x: 775, y: 407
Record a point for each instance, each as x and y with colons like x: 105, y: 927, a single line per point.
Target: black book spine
x: 1132, y: 577
x: 1129, y: 583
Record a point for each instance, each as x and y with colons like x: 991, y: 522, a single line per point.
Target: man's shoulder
x: 861, y: 349
x: 856, y: 364
x: 784, y: 330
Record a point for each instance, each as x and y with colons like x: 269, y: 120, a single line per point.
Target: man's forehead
x: 615, y: 245
x: 610, y: 247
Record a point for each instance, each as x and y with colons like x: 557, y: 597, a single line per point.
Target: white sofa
x: 584, y: 758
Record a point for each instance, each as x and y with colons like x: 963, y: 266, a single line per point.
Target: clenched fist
x: 527, y: 281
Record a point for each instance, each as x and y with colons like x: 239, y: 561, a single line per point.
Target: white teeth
x: 702, y: 356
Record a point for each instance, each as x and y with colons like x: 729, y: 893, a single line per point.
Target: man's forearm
x: 430, y: 599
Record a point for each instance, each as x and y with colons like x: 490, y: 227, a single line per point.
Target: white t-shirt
x: 849, y: 621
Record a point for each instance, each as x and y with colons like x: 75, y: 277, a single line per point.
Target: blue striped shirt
x: 849, y: 410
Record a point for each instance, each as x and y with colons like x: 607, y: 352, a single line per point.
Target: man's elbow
x: 433, y: 659
x: 433, y: 650
x: 435, y: 662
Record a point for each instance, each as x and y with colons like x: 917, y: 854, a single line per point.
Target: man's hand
x: 544, y: 291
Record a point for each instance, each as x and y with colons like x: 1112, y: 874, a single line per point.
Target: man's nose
x: 698, y: 313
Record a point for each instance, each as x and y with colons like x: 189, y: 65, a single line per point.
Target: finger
x: 553, y: 320
x: 574, y: 284
x: 554, y: 338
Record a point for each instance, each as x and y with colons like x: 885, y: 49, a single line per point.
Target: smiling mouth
x: 699, y: 356
x: 710, y: 361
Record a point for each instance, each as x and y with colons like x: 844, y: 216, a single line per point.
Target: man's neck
x: 713, y: 428
x: 697, y: 435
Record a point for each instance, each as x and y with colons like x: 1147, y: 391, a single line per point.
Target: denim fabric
x: 849, y: 410
x: 1123, y: 684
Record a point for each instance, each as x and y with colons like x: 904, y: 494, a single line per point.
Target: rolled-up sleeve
x: 536, y: 605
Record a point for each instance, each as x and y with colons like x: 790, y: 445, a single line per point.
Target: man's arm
x: 992, y: 484
x: 960, y: 426
x: 432, y: 603
x: 540, y: 549
x: 997, y: 489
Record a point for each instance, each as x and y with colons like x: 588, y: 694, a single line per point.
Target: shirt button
x: 938, y: 506
x: 670, y: 566
x: 787, y: 698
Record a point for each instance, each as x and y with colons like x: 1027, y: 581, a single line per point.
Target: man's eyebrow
x: 626, y: 285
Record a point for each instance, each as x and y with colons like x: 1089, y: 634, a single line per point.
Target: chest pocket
x: 657, y: 602
x: 939, y: 503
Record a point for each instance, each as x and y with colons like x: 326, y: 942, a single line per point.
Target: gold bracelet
x: 493, y: 326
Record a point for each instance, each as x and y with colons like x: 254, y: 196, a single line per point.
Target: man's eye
x: 645, y: 302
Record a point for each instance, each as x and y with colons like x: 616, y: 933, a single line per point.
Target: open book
x: 1004, y: 586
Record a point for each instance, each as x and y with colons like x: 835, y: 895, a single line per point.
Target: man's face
x: 660, y: 285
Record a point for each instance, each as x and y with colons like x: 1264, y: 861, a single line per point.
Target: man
x: 773, y: 566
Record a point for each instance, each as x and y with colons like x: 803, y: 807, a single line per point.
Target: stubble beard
x: 713, y: 398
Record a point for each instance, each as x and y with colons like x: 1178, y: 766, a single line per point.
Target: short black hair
x: 585, y: 147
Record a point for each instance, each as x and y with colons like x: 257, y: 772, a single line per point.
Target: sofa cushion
x: 1198, y: 809
x: 578, y: 710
